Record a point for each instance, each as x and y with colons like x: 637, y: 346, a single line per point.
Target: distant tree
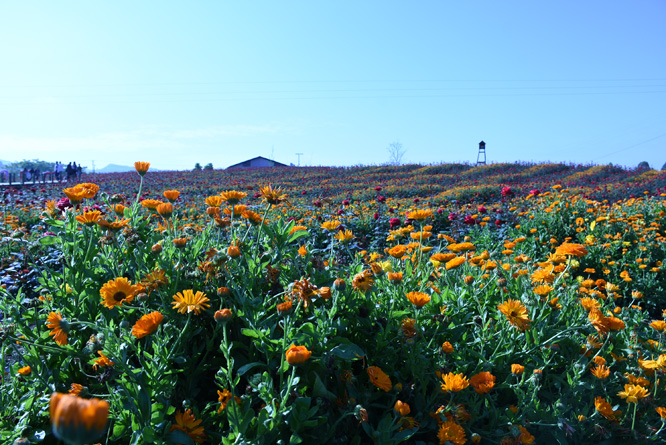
x: 209, y: 166
x: 396, y: 153
x: 643, y: 165
x: 42, y: 166
x: 663, y: 167
x: 197, y: 167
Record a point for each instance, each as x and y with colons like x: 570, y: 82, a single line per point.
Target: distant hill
x: 115, y: 168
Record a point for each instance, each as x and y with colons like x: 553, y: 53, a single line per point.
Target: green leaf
x: 348, y: 352
x: 48, y: 240
x: 245, y: 368
x: 250, y: 333
x: 319, y: 389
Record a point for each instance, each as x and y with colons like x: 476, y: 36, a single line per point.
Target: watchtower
x: 482, y: 151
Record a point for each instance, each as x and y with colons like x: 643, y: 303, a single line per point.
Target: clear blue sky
x: 175, y: 83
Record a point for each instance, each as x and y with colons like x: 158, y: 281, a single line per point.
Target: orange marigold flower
x: 189, y: 301
x: 418, y: 299
x: 577, y: 250
x: 58, y: 326
x: 171, y: 195
x: 190, y: 425
x: 77, y: 420
x: 462, y: 247
x: 419, y: 215
x: 330, y: 225
x: 589, y: 303
x: 661, y: 411
x: 116, y: 292
x: 659, y: 325
x: 102, y: 361
x: 165, y: 210
x: 516, y: 313
x: 598, y: 321
x: 224, y: 397
x: 398, y: 251
x: 141, y: 167
x: 26, y: 370
x: 517, y: 369
x: 450, y: 431
x: 151, y: 204
x: 223, y: 315
x: 605, y: 409
x: 601, y: 372
x: 454, y: 263
x: 447, y: 347
x: 232, y: 197
x: 482, y: 382
x: 214, y: 201
x: 285, y: 307
x: 632, y: 393
x: 544, y: 276
x: 454, y: 382
x: 75, y: 194
x: 89, y: 218
x: 401, y: 408
x: 75, y: 389
x: 379, y: 378
x: 297, y: 354
x: 394, y: 277
x: 147, y: 324
x: 363, y: 281
x: 543, y: 290
x: 272, y: 195
x: 233, y: 251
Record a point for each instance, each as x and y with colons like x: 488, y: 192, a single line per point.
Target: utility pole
x: 299, y: 158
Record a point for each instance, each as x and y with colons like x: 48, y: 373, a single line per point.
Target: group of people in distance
x: 72, y: 171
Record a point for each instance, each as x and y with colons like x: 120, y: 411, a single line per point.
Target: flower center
x: 119, y: 296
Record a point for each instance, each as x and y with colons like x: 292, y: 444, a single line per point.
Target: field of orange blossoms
x: 443, y: 304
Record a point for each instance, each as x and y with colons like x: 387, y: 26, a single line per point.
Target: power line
x: 631, y: 146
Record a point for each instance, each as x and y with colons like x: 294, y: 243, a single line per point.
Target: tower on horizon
x: 482, y: 151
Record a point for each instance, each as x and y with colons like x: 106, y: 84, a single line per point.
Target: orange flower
x: 379, y: 378
x: 517, y: 369
x: 76, y: 420
x: 75, y: 389
x: 26, y: 370
x: 516, y: 313
x: 398, y: 251
x: 482, y: 382
x: 232, y: 196
x: 151, y: 204
x: 659, y: 325
x: 89, y: 218
x: 188, y: 301
x: 102, y: 361
x: 394, y: 277
x: 116, y: 292
x: 363, y: 281
x: 171, y: 195
x: 272, y: 195
x: 224, y: 397
x: 632, y: 393
x: 214, y: 201
x: 190, y: 425
x: 461, y: 247
x: 577, y: 250
x: 454, y: 263
x: 147, y: 324
x: 454, y: 382
x: 165, y: 210
x: 59, y: 328
x: 419, y: 215
x: 418, y: 299
x: 223, y: 315
x: 233, y: 251
x: 601, y: 372
x: 330, y: 225
x: 543, y: 290
x: 141, y: 167
x: 297, y: 354
x: 451, y: 432
x: 401, y: 408
x: 605, y: 409
x: 447, y: 347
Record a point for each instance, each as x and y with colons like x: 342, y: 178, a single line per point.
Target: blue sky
x: 175, y: 83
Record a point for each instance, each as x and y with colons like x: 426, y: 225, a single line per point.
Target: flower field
x: 498, y: 304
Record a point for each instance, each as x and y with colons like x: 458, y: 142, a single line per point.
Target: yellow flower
x: 331, y: 225
x: 454, y: 382
x: 302, y: 251
x: 605, y: 409
x: 171, y: 195
x: 188, y: 301
x: 543, y: 290
x: 455, y: 263
x: 517, y: 369
x: 26, y: 370
x: 344, y: 236
x: 601, y: 372
x: 363, y: 281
